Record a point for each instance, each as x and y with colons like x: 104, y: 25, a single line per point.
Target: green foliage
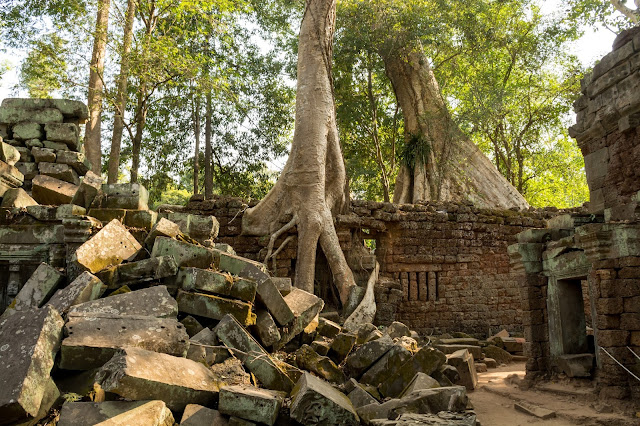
x: 415, y: 151
x: 44, y: 70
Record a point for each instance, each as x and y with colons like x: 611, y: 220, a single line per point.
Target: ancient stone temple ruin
x: 149, y: 317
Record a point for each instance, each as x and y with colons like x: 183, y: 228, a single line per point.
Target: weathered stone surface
x: 26, y: 130
x: 237, y: 421
x: 28, y: 170
x: 68, y: 107
x: 360, y: 397
x: 460, y: 341
x: 83, y: 289
x: 500, y: 355
x: 316, y: 402
x: 110, y: 246
x: 341, y: 346
x: 17, y: 198
x: 77, y: 160
x: 139, y: 374
x: 49, y: 399
x: 579, y: 365
x: 231, y: 372
x: 151, y: 302
x: 67, y: 133
x: 533, y: 410
x: 462, y: 360
x: 387, y: 366
x: 257, y: 360
x: 29, y: 341
x: 283, y: 284
x: 46, y: 155
x: 107, y: 215
x: 266, y: 328
x: 397, y: 330
x: 69, y: 210
x: 203, y: 229
x: 145, y: 270
x: 38, y: 289
x: 420, y: 381
x: 490, y: 362
x: 191, y: 325
x: 25, y: 154
x: 9, y: 154
x: 57, y: 146
x: 116, y: 413
x: 131, y: 196
x: 88, y: 190
x: 446, y: 375
x: 364, y: 331
x: 328, y: 328
x: 250, y: 403
x: 476, y: 351
x: 434, y: 400
x: 321, y: 347
x: 217, y: 283
x: 366, y: 355
x: 162, y: 228
x: 426, y: 360
x: 14, y: 115
x: 50, y: 191
x: 10, y: 177
x: 308, y: 359
x: 185, y: 254
x: 59, y: 171
x: 144, y: 219
x: 203, y: 348
x: 443, y: 418
x: 215, y: 307
x: 197, y: 415
x: 305, y: 307
x: 92, y: 341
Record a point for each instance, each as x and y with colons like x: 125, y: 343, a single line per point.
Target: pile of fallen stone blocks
x: 42, y: 157
x: 148, y: 325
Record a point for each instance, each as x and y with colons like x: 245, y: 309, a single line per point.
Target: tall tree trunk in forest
x: 96, y: 87
x: 208, y: 160
x: 141, y: 120
x: 196, y: 133
x: 311, y: 187
x: 121, y: 95
x: 442, y: 163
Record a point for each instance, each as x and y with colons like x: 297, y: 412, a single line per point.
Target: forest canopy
x: 198, y: 96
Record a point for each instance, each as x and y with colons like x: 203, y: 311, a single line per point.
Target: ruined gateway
x: 158, y: 317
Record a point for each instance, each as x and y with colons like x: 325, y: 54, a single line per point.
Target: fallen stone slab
x: 366, y: 355
x: 83, y: 289
x: 341, y: 346
x: 191, y: 325
x: 462, y: 360
x: 17, y: 198
x: 237, y: 421
x: 47, y: 190
x: 534, y: 410
x: 283, y: 284
x: 420, y: 381
x: 217, y: 283
x: 197, y: 415
x: 267, y: 293
x: 446, y: 375
x: 162, y: 228
x: 10, y: 177
x: 308, y: 359
x: 250, y: 403
x: 62, y: 172
x: 151, y: 302
x: 112, y: 245
x: 435, y: 400
x: 387, y: 366
x: 460, y: 341
x: 14, y: 115
x: 231, y: 372
x: 185, y: 254
x: 443, y: 418
x: 203, y: 229
x: 142, y: 375
x: 49, y: 399
x: 360, y: 397
x: 29, y: 341
x: 43, y: 155
x: 116, y: 413
x: 151, y: 269
x: 481, y: 367
x: 316, y: 402
x: 321, y: 346
x: 92, y: 341
x: 397, y: 330
x: 498, y: 354
x: 9, y: 154
x: 67, y: 133
x: 328, y: 328
x: 130, y: 196
x: 578, y: 365
x: 69, y: 210
x: 266, y: 328
x: 142, y: 219
x: 215, y: 307
x: 256, y: 359
x: 476, y: 351
x: 204, y: 347
x: 305, y: 307
x: 88, y: 190
x: 68, y: 108
x: 38, y: 289
x: 490, y: 362
x: 77, y: 160
x: 426, y: 360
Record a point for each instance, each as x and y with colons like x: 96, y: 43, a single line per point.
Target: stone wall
x: 607, y: 132
x: 443, y: 268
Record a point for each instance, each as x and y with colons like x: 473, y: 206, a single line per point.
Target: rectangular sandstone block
x: 10, y: 177
x: 315, y: 401
x: 250, y: 403
x: 217, y: 283
x: 214, y: 307
x: 138, y: 374
x: 131, y: 196
x: 109, y: 247
x: 185, y: 254
x: 67, y: 133
x: 50, y: 191
x: 88, y: 190
x: 9, y: 154
x: 14, y: 115
x: 77, y: 160
x: 17, y: 198
x: 25, y: 130
x: 59, y: 171
x: 150, y: 302
x: 83, y: 289
x: 149, y: 413
x: 38, y: 289
x: 67, y: 107
x: 28, y: 345
x: 305, y: 307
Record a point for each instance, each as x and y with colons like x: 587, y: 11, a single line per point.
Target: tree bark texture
x: 311, y: 186
x: 96, y: 87
x: 196, y: 156
x: 121, y: 95
x: 208, y: 151
x: 452, y: 168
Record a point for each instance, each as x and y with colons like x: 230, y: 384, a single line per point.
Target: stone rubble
x: 172, y: 325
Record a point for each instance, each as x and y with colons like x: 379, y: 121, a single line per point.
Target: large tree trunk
x: 121, y: 96
x: 208, y: 152
x: 311, y: 187
x: 196, y: 132
x: 141, y: 121
x: 448, y: 166
x: 96, y: 87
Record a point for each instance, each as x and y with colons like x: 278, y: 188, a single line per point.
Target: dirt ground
x: 495, y: 397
